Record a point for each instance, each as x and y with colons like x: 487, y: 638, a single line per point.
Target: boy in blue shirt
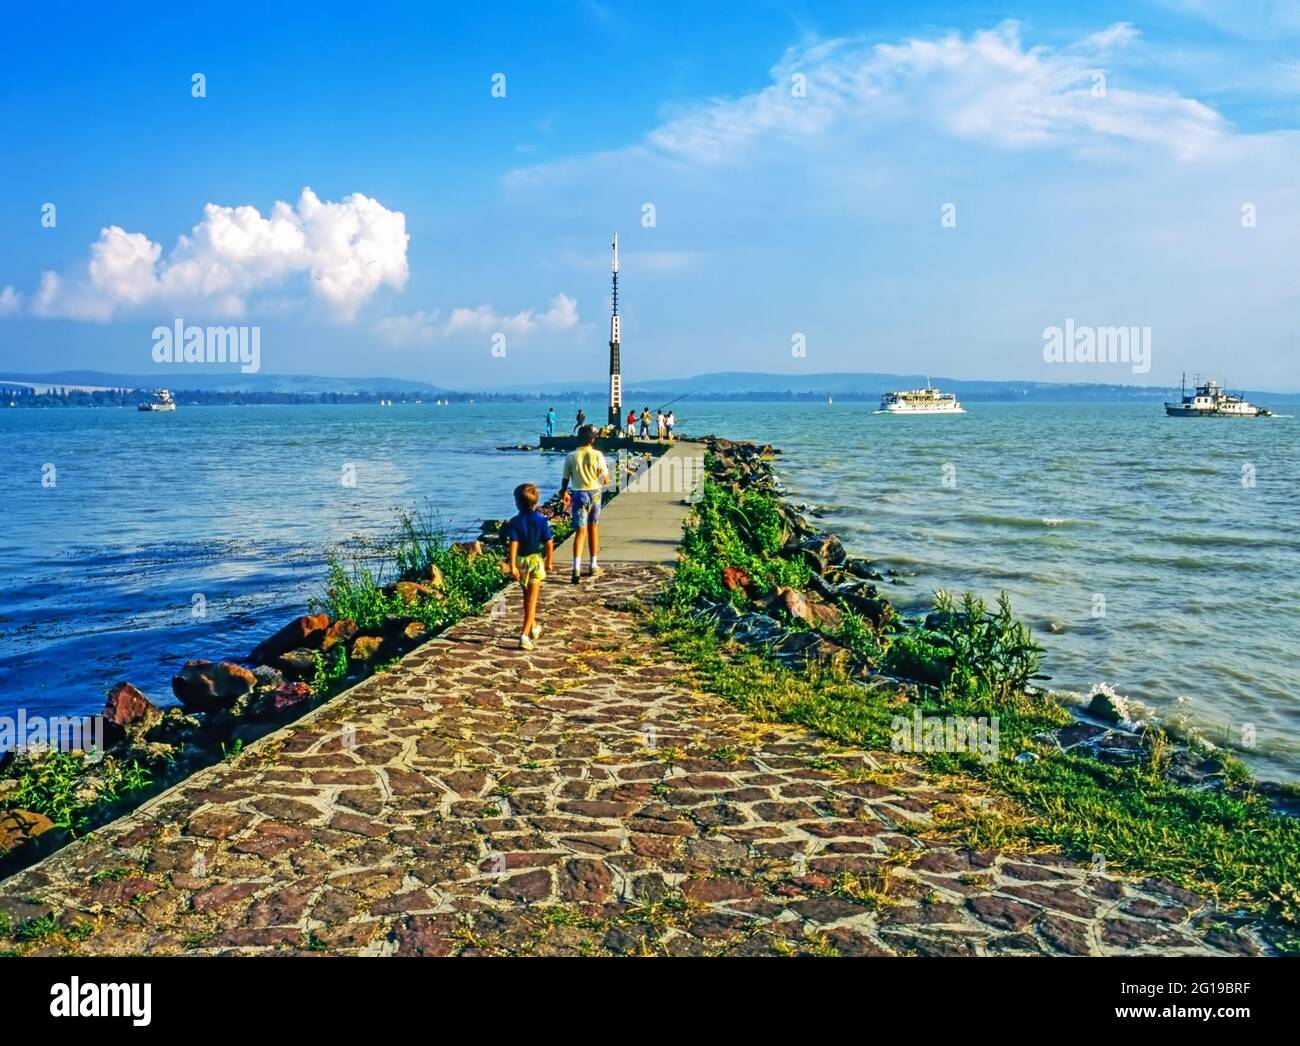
x: 532, y: 554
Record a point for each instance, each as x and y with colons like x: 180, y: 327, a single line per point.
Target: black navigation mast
x: 615, y: 365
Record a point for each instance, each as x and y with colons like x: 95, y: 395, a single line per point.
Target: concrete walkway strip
x: 644, y: 523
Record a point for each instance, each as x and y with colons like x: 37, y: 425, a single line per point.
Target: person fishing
x: 645, y: 423
x: 550, y: 422
x: 581, y: 420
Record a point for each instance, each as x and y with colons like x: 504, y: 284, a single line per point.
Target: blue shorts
x: 585, y: 507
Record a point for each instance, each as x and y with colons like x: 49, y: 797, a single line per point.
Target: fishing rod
x: 681, y: 397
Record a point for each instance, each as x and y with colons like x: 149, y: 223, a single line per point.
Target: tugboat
x: 928, y: 400
x: 1211, y: 401
x: 162, y: 400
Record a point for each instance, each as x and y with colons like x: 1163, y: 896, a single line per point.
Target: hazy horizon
x: 800, y: 383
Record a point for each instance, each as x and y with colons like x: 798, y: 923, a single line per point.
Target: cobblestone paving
x: 575, y: 799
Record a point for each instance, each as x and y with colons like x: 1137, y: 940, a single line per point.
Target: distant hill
x: 750, y: 385
x: 184, y: 378
x: 722, y: 386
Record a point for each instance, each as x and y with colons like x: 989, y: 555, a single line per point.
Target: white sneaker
x: 525, y: 643
x: 536, y: 633
x: 595, y: 571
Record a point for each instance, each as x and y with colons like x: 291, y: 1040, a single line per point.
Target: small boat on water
x: 1211, y: 400
x: 928, y: 400
x: 161, y: 400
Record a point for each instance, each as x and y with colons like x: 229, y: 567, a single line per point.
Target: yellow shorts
x: 532, y: 569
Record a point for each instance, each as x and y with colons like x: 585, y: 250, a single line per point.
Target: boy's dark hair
x: 587, y: 434
x: 526, y: 497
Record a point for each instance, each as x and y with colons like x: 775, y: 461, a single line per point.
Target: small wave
x: 1184, y: 721
x: 1026, y: 522
x: 1201, y: 563
x: 1219, y: 538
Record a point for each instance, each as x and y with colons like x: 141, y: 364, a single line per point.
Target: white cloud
x: 562, y: 315
x: 1260, y: 19
x: 1121, y: 34
x: 662, y: 261
x: 987, y: 87
x: 421, y: 326
x: 991, y: 89
x: 418, y: 327
x: 10, y: 302
x: 348, y: 249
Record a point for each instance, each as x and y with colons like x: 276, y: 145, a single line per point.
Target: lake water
x: 1155, y: 555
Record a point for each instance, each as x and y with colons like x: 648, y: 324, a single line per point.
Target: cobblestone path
x: 575, y: 799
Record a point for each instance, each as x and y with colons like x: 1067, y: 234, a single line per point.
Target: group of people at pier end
x: 652, y: 425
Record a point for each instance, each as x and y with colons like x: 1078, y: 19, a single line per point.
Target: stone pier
x: 579, y: 798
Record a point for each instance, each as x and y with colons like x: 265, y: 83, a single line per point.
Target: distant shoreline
x: 209, y: 398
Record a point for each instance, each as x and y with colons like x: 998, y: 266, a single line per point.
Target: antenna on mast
x: 613, y: 329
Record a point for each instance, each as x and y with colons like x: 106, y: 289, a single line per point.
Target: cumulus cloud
x: 345, y: 251
x: 11, y: 302
x: 424, y: 326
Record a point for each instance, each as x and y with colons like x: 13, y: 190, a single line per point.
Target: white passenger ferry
x: 1210, y: 400
x: 928, y: 400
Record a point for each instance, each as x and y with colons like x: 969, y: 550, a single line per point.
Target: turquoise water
x: 1127, y: 540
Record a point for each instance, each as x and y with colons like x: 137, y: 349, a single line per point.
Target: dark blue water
x: 225, y: 510
x: 1058, y: 505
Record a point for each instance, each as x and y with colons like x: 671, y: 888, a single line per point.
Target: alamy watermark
x: 72, y: 998
x: 945, y: 734
x: 1073, y: 344
x: 181, y: 344
x: 24, y: 733
x: 674, y: 474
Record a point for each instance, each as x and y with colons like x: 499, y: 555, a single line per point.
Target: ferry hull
x: 921, y: 410
x: 1177, y: 410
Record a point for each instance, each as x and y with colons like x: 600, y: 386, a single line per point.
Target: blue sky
x: 350, y: 185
